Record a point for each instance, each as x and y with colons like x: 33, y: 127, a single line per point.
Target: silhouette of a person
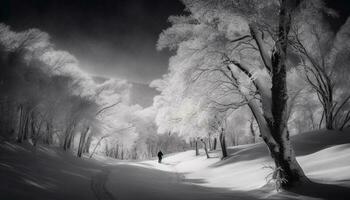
x: 160, y: 155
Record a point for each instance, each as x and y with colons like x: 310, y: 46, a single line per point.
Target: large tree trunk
x: 223, y: 143
x: 280, y: 151
x: 286, y: 164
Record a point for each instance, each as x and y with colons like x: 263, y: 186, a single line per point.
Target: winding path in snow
x: 131, y: 182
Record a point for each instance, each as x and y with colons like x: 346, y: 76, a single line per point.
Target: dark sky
x: 113, y: 38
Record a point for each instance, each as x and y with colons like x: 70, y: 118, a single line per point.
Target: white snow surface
x: 49, y: 173
x: 244, y: 170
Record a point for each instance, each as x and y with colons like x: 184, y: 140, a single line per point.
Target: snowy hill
x: 49, y: 173
x: 44, y: 173
x: 324, y: 156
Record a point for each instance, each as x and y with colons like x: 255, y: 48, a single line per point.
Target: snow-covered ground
x: 324, y: 156
x: 44, y: 173
x: 49, y: 173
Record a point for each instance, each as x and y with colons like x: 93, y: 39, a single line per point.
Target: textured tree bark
x: 283, y: 155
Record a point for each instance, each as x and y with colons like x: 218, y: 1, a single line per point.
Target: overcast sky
x: 114, y: 38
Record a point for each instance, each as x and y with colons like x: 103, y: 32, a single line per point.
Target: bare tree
x: 319, y: 65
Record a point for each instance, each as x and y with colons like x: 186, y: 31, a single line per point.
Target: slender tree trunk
x: 196, y: 144
x: 98, y: 143
x: 107, y: 150
x: 116, y: 151
x: 223, y: 144
x: 209, y: 142
x: 88, y: 143
x: 26, y: 127
x: 215, y: 143
x: 48, y: 136
x: 37, y: 135
x: 32, y: 127
x: 82, y: 141
x: 71, y: 141
x: 134, y: 153
x: 328, y: 104
x: 252, y: 131
x: 205, y: 148
x: 20, y: 126
x: 122, y: 154
x: 66, y: 138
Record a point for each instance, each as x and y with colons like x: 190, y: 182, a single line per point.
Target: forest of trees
x: 46, y: 98
x: 242, y: 71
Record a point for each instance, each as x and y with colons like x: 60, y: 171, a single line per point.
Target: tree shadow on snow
x: 319, y: 190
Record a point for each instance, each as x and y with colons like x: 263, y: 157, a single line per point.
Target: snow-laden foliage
x: 46, y: 97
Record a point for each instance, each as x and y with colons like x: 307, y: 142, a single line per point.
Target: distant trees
x: 217, y: 124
